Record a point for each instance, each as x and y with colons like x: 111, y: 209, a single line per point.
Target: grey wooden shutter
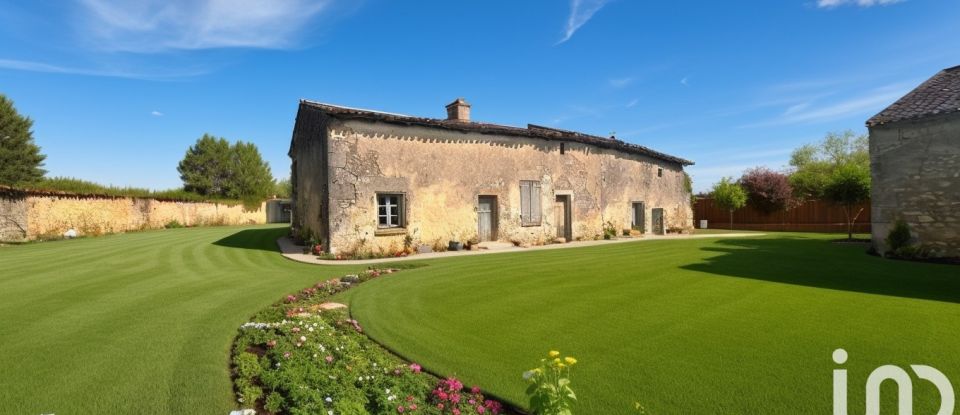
x: 524, y: 203
x: 535, y: 211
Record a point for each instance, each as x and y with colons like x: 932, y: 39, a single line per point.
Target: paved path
x: 295, y: 252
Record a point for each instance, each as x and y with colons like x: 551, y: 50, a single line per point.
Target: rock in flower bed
x: 298, y: 357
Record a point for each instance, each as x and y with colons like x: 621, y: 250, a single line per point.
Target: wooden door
x: 562, y: 217
x: 658, y: 221
x: 639, y: 217
x: 486, y: 218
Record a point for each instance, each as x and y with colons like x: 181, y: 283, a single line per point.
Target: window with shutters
x: 530, y: 212
x: 390, y: 210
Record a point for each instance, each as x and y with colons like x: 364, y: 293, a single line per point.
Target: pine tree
x: 20, y: 158
x: 206, y: 169
x: 251, y: 179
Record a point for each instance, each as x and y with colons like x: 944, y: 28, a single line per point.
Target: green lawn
x: 143, y: 322
x: 715, y: 326
x: 140, y: 323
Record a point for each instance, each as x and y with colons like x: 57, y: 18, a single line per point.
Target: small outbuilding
x: 915, y: 164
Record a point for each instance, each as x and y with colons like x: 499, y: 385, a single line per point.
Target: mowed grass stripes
x: 717, y: 326
x: 136, y: 323
x: 143, y: 322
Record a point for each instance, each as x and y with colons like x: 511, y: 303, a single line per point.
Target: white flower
x: 387, y: 390
x: 303, y: 338
x: 310, y: 329
x: 528, y: 374
x: 328, y: 399
x: 329, y: 412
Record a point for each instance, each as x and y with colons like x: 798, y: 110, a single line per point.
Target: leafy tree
x: 813, y: 165
x: 20, y: 158
x: 213, y: 167
x: 729, y: 195
x: 284, y: 188
x: 767, y: 191
x: 206, y: 168
x: 250, y: 179
x: 688, y: 187
x: 848, y: 186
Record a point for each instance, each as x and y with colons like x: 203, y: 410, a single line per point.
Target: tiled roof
x: 938, y: 95
x: 532, y: 131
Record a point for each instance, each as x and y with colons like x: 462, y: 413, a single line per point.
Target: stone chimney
x: 458, y: 110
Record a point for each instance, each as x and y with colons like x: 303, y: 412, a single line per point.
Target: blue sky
x: 119, y: 89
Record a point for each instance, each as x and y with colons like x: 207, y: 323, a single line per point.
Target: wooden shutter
x: 524, y: 203
x: 535, y: 211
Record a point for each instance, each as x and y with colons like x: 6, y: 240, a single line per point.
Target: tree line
x: 212, y: 168
x: 836, y: 170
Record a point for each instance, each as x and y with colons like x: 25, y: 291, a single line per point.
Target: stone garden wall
x: 29, y: 216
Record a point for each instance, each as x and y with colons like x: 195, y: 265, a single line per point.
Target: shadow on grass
x: 821, y: 264
x: 257, y: 239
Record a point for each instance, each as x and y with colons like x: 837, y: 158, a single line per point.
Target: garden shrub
x: 899, y: 237
x: 173, y: 224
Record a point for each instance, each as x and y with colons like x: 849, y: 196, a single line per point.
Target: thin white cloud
x: 867, y: 103
x: 829, y: 4
x: 633, y: 103
x: 156, y: 113
x: 621, y: 82
x: 685, y: 81
x: 31, y: 66
x: 581, y: 11
x: 160, y: 25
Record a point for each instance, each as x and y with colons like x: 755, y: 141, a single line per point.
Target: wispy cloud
x: 685, y: 81
x: 829, y: 4
x: 865, y: 103
x: 31, y: 66
x: 156, y: 113
x: 633, y: 103
x: 581, y: 11
x: 160, y: 25
x: 621, y: 82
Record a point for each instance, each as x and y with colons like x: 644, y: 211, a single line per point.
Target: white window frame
x: 393, y: 216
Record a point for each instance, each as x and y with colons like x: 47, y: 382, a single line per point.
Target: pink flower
x: 329, y: 359
x: 400, y: 409
x: 475, y: 390
x: 415, y: 368
x: 472, y: 401
x: 440, y: 406
x: 271, y: 343
x: 456, y: 411
x: 291, y: 298
x: 286, y: 355
x: 455, y: 398
x: 412, y: 407
x: 295, y: 329
x: 480, y: 409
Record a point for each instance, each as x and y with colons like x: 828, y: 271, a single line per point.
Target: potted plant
x: 455, y: 244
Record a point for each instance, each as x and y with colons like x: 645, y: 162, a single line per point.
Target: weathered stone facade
x: 916, y: 178
x: 341, y: 164
x: 28, y: 216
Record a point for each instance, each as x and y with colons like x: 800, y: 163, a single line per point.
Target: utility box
x: 703, y: 224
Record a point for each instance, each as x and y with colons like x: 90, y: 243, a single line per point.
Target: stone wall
x: 26, y: 216
x: 442, y: 173
x: 916, y: 177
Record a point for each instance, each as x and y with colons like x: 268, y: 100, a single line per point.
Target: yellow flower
x: 570, y: 361
x: 557, y: 361
x: 554, y: 353
x: 560, y: 365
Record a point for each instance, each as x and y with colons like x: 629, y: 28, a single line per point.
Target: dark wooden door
x: 639, y: 217
x: 486, y: 218
x: 658, y: 221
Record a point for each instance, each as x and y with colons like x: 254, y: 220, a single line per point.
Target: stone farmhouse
x: 915, y: 164
x: 370, y: 180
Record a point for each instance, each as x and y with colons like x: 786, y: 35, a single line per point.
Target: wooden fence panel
x: 811, y: 216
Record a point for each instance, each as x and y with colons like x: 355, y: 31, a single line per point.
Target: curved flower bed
x: 301, y: 357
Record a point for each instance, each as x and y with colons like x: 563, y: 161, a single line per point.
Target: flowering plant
x: 449, y: 397
x: 549, y: 390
